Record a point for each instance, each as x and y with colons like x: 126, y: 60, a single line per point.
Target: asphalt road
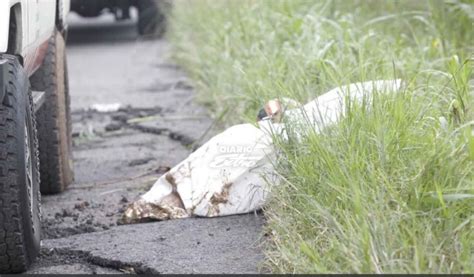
x: 116, y: 161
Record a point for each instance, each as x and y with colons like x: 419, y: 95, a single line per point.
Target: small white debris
x: 106, y: 108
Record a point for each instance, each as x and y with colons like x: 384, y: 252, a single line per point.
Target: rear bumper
x: 88, y: 8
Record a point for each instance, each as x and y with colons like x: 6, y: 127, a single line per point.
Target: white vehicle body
x: 33, y: 24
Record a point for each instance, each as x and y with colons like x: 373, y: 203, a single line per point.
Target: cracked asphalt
x: 119, y: 154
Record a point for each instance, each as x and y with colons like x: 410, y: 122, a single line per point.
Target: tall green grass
x: 390, y: 188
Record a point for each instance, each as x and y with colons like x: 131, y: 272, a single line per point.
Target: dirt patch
x: 140, y: 161
x: 72, y: 222
x: 222, y: 197
x: 51, y: 231
x: 182, y: 138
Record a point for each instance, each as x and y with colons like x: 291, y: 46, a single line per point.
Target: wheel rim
x: 29, y: 169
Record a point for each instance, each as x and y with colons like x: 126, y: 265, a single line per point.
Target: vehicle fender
x: 4, y: 25
x: 5, y: 22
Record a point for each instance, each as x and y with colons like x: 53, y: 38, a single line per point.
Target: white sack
x: 233, y: 173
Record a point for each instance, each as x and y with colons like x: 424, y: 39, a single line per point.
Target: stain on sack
x: 222, y: 197
x: 219, y: 198
x: 174, y: 195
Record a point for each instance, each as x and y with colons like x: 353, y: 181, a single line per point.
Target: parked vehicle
x: 151, y: 13
x: 35, y: 125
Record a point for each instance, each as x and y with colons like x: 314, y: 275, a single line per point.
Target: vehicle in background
x: 151, y: 13
x: 35, y: 124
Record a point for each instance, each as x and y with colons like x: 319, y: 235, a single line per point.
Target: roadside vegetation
x: 390, y: 190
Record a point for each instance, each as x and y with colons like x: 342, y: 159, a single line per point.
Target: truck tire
x: 54, y: 130
x: 68, y: 117
x: 19, y: 174
x: 152, y: 18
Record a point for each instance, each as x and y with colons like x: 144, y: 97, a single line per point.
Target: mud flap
x: 233, y: 173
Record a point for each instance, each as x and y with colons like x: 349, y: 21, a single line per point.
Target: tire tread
x: 14, y: 256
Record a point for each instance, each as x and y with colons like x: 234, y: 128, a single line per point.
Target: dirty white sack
x: 233, y: 172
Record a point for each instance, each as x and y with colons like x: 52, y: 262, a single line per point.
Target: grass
x: 385, y: 191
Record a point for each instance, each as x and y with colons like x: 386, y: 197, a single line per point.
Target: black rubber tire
x: 152, y: 17
x: 19, y: 191
x: 54, y: 129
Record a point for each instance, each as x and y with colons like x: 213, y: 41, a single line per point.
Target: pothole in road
x: 90, y: 123
x: 166, y: 87
x: 65, y: 261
